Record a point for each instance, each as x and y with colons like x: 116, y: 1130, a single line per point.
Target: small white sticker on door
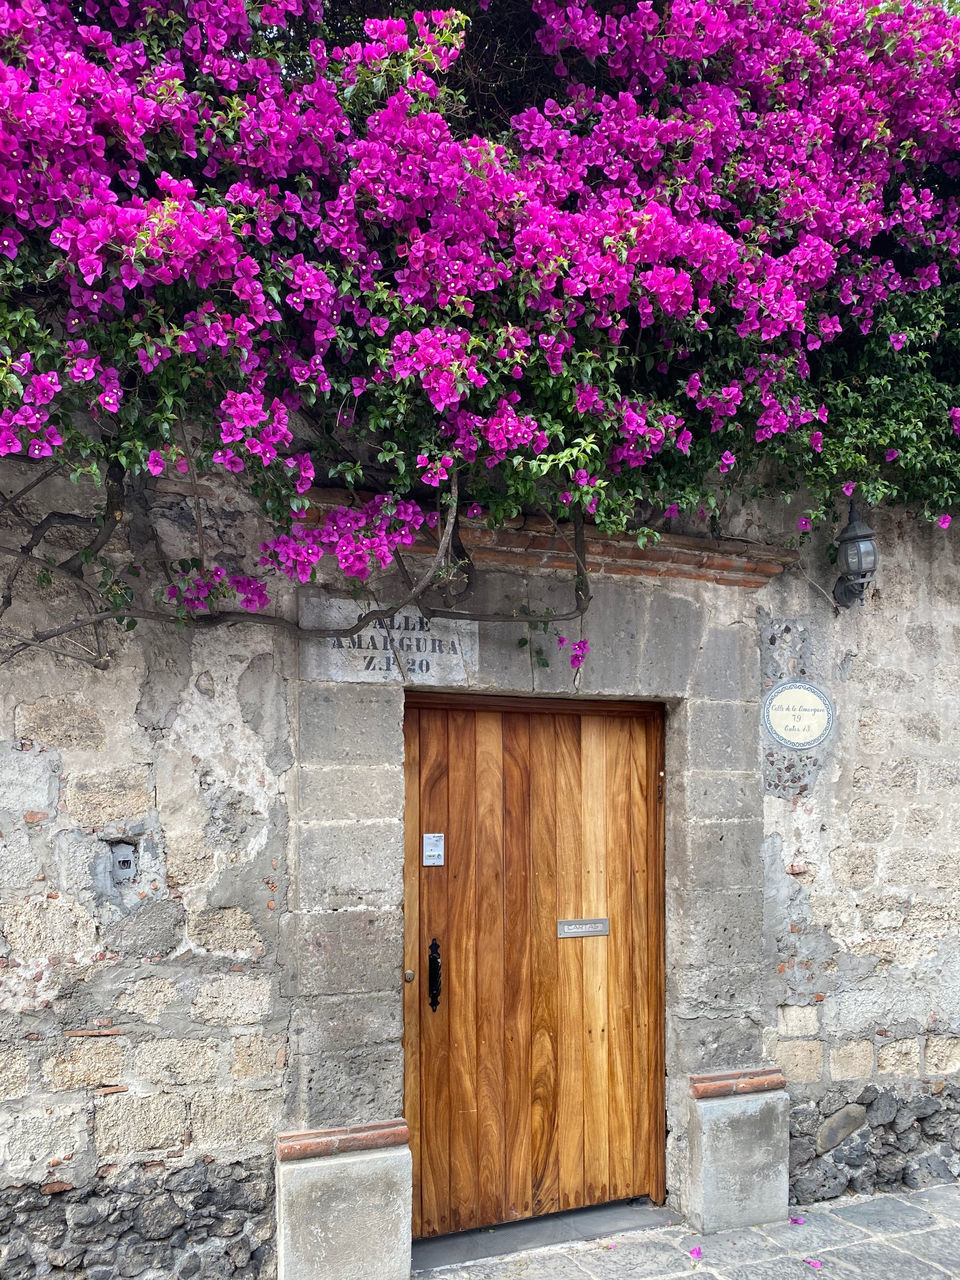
x: 433, y: 850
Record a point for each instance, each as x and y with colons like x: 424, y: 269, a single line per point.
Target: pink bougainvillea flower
x: 9, y: 240
x: 944, y: 521
x: 891, y: 455
x: 727, y: 461
x: 816, y: 441
x: 813, y: 1262
x: 578, y: 654
x: 897, y: 340
x: 804, y: 525
x: 696, y: 1252
x: 561, y: 641
x: 671, y: 512
x: 797, y: 1222
x: 474, y: 511
x: 155, y: 462
x: 848, y: 488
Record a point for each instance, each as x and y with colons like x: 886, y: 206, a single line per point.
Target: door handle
x: 433, y: 979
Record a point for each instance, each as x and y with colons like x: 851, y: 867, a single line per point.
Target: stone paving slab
x: 880, y: 1258
x: 886, y: 1215
x: 906, y: 1236
x: 939, y: 1246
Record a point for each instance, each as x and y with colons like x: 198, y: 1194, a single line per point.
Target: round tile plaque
x: 797, y: 715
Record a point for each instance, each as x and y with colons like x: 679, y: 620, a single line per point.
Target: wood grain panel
x: 596, y: 1083
x: 621, y: 995
x: 460, y: 986
x: 538, y: 1084
x: 491, y: 1133
x: 570, y: 965
x: 411, y: 948
x: 545, y: 1118
x: 517, y: 963
x: 434, y: 1023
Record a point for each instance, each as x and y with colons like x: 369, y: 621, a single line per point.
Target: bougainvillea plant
x: 608, y: 262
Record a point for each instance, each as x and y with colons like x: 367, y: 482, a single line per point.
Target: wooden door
x: 534, y: 1077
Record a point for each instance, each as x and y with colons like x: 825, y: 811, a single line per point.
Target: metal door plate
x: 597, y: 928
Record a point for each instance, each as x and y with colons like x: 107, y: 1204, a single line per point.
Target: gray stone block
x: 351, y: 724
x: 724, y: 736
x: 674, y: 628
x: 696, y: 1044
x: 727, y: 1248
x: 357, y: 1087
x: 707, y: 857
x: 349, y: 864
x: 334, y: 1024
x: 345, y: 1217
x: 618, y: 659
x: 714, y: 992
x: 738, y: 1171
x: 721, y: 797
x: 839, y: 1126
x: 720, y: 930
x: 728, y: 664
x: 939, y: 1247
x: 341, y: 793
x: 506, y: 658
x: 347, y: 951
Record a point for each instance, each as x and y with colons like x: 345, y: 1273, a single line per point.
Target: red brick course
x: 724, y: 1084
x: 533, y: 543
x: 328, y: 1142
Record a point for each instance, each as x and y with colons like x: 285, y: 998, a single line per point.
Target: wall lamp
x: 857, y: 561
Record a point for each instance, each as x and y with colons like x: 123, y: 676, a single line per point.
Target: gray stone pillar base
x: 739, y: 1147
x: 343, y: 1203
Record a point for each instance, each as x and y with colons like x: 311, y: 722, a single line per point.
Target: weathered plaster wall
x: 862, y: 919
x: 144, y: 1029
x: 154, y: 1037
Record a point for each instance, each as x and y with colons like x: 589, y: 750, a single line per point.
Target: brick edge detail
x: 726, y: 563
x: 725, y: 1084
x: 315, y: 1143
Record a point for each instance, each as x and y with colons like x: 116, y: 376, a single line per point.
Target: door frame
x: 435, y: 700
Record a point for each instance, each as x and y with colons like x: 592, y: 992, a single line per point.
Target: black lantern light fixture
x: 857, y: 560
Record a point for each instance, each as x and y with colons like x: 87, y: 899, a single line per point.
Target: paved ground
x: 909, y: 1236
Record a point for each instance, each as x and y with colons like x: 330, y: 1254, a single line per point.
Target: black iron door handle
x: 433, y: 981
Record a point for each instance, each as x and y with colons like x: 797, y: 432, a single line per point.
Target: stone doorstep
x: 315, y: 1143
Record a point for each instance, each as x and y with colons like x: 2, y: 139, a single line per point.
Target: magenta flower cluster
x: 263, y: 227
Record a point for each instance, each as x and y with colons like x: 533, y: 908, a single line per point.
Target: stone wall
x: 156, y: 1032
x: 862, y: 871
x: 144, y: 1022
